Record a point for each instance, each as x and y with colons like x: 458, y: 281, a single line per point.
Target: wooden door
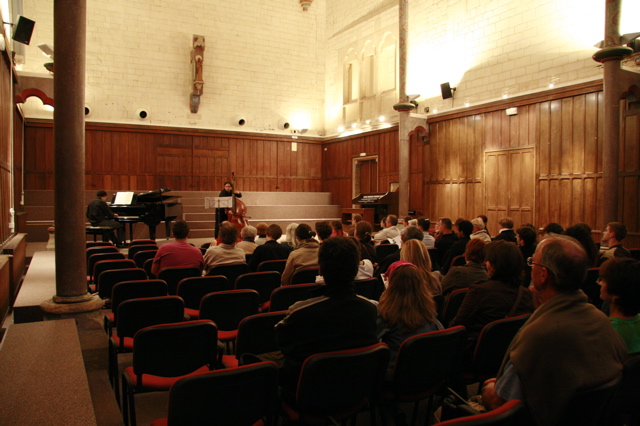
x: 509, y: 186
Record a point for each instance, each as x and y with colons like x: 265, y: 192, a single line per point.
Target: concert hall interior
x: 316, y: 111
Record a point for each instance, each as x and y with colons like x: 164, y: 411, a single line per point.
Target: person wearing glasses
x: 567, y: 344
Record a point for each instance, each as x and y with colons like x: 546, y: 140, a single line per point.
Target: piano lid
x: 157, y: 196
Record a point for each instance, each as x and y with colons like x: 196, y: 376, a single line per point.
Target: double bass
x: 238, y: 211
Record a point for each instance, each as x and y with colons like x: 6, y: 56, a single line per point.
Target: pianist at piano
x: 99, y: 214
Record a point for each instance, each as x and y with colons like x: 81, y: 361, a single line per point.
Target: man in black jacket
x: 270, y: 250
x: 337, y: 320
x: 99, y: 214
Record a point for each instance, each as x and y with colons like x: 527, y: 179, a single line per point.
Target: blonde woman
x: 406, y: 307
x: 416, y: 252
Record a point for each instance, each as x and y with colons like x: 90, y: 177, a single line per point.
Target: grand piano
x: 151, y: 208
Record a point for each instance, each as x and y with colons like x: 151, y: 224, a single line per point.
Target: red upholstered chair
x: 493, y: 342
x: 127, y: 290
x: 95, y: 258
x: 164, y: 354
x: 509, y: 414
x: 227, y: 309
x: 141, y: 247
x: 143, y: 242
x: 424, y: 365
x: 262, y: 282
x: 174, y: 274
x: 283, y: 297
x: 306, y: 275
x: 452, y: 305
x: 134, y: 315
x: 141, y: 256
x: 230, y: 270
x: 384, y: 250
x: 99, y: 249
x: 256, y: 335
x: 371, y: 288
x: 108, y: 265
x: 277, y: 265
x: 592, y: 407
x: 336, y: 386
x: 98, y: 244
x: 240, y: 395
x: 626, y: 409
x: 193, y: 289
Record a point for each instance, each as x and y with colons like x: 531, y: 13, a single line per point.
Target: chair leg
x: 125, y: 402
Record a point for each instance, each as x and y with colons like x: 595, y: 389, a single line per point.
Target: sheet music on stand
x: 218, y: 202
x: 125, y: 197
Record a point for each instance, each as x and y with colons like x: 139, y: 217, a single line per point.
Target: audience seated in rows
x: 479, y: 230
x: 261, y: 230
x: 611, y: 243
x: 305, y: 255
x: 415, y: 252
x: 225, y: 252
x: 289, y: 239
x: 464, y: 230
x: 582, y: 233
x: 363, y: 233
x: 339, y: 319
x: 336, y: 229
x: 179, y: 252
x: 445, y: 238
x: 506, y: 230
x: 552, y: 229
x: 471, y: 272
x: 620, y: 281
x: 389, y: 230
x: 248, y: 243
x: 271, y: 249
x: 365, y: 267
x: 424, y: 224
x: 412, y: 233
x: 567, y: 345
x: 323, y: 230
x: 500, y: 297
x: 406, y: 307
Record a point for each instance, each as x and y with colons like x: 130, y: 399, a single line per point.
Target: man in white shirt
x: 390, y: 230
x: 427, y: 239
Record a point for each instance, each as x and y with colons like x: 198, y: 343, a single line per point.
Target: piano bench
x: 105, y: 231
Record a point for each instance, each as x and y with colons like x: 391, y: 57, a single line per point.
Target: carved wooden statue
x: 197, y: 59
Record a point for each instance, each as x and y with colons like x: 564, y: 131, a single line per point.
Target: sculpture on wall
x: 197, y: 59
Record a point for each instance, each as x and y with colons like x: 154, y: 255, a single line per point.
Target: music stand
x: 218, y: 203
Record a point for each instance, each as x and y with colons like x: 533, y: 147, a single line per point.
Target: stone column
x: 69, y: 160
x: 610, y: 56
x: 403, y: 107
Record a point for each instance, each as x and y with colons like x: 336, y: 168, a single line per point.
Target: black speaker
x: 447, y: 93
x: 24, y: 30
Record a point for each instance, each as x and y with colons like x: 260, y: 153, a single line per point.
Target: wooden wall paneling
x: 578, y: 207
x: 565, y: 202
x: 555, y: 138
x: 544, y: 141
x: 591, y: 204
x: 592, y: 149
x: 578, y: 119
x: 542, y: 201
x: 567, y: 128
x: 554, y: 202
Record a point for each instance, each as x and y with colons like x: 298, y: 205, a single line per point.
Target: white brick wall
x: 266, y: 59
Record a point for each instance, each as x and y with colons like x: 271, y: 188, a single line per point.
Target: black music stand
x: 218, y: 203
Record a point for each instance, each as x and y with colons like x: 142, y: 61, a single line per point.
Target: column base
x: 72, y: 305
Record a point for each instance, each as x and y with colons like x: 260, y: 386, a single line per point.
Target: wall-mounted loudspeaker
x: 142, y: 114
x: 447, y: 90
x: 283, y: 124
x: 239, y: 120
x: 24, y: 30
